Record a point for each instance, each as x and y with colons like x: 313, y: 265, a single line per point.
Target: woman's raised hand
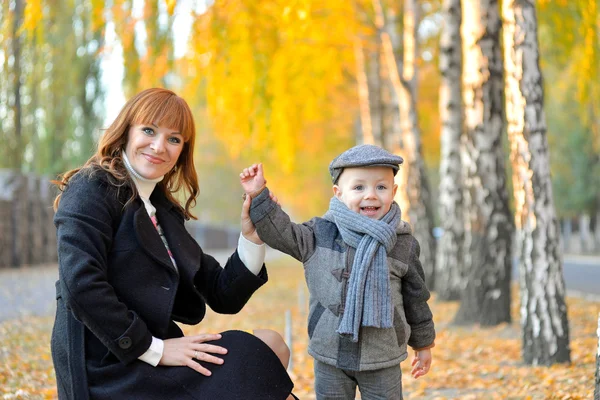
x: 184, y: 351
x: 248, y: 228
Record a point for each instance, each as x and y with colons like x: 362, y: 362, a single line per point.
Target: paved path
x: 27, y: 291
x: 30, y: 291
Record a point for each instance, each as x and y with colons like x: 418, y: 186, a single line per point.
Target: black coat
x: 117, y: 288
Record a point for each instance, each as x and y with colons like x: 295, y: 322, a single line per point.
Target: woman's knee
x: 276, y: 343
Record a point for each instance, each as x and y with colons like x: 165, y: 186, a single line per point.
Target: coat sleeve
x: 227, y: 289
x: 84, y: 222
x: 415, y: 295
x: 276, y: 229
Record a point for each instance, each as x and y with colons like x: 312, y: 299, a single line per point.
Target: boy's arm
x: 272, y: 224
x: 415, y: 295
x: 277, y: 230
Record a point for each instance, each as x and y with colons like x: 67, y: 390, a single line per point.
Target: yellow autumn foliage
x: 274, y: 75
x: 33, y: 15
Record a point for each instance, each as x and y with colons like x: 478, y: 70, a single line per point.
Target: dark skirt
x: 251, y: 370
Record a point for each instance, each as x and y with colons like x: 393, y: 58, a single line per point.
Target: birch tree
x: 544, y: 321
x: 597, y: 387
x: 362, y: 84
x: 485, y: 298
x: 403, y: 80
x: 449, y: 254
x: 375, y: 85
x: 11, y: 60
x: 17, y: 82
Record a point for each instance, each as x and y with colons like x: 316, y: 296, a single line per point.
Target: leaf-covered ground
x: 469, y: 363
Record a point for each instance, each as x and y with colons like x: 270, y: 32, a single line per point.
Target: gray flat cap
x: 364, y: 155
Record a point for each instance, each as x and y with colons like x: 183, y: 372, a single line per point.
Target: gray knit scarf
x: 369, y: 297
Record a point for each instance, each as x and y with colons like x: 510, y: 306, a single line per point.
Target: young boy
x: 368, y: 298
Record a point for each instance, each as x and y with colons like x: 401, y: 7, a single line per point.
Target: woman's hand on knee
x: 184, y: 351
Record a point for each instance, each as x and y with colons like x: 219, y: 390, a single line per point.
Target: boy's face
x: 367, y: 190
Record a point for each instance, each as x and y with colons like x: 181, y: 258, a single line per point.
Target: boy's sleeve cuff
x: 432, y: 345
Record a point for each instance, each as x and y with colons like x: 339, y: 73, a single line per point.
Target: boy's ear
x: 337, y: 192
x: 395, y: 190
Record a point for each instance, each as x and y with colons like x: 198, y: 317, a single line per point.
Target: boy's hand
x: 421, y: 363
x: 253, y: 179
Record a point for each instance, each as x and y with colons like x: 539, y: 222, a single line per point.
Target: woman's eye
x: 174, y: 140
x: 148, y: 131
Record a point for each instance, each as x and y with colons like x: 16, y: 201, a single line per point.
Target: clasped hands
x: 253, y: 182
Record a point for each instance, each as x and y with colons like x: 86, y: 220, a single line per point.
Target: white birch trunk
x: 391, y: 41
x: 488, y: 225
x: 597, y: 387
x: 419, y: 195
x: 585, y: 234
x: 449, y: 254
x: 362, y: 84
x: 543, y: 309
x: 412, y: 179
x: 374, y: 86
x: 597, y: 232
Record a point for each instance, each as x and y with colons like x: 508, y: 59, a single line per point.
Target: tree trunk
x: 419, y: 195
x: 16, y: 53
x: 362, y: 85
x: 449, y: 254
x: 543, y: 309
x: 597, y: 387
x: 597, y: 232
x: 375, y: 93
x: 585, y: 235
x: 488, y: 225
x: 403, y: 82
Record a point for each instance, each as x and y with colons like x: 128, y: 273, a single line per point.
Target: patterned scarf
x: 369, y: 297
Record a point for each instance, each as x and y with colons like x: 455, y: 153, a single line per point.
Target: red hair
x: 156, y: 106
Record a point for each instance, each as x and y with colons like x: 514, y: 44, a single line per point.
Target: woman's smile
x: 152, y: 159
x: 153, y: 150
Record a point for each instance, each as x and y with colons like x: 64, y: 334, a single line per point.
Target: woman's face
x: 153, y: 150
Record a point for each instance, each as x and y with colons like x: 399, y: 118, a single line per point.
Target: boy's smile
x: 368, y: 191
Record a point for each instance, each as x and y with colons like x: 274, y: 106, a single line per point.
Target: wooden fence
x: 27, y: 234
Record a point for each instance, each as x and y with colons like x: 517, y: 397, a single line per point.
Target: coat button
x: 125, y: 343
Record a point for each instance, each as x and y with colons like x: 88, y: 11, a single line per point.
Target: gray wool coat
x: 327, y: 263
x: 117, y: 288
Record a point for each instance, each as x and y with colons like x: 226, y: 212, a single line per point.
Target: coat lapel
x: 149, y: 239
x: 184, y: 248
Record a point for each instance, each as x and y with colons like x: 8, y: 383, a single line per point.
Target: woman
x: 128, y: 270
